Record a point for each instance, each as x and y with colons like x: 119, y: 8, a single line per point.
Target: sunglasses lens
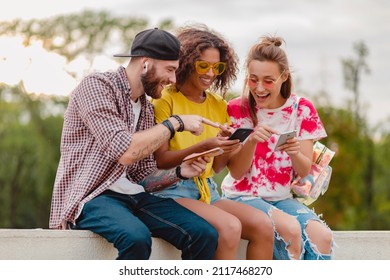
x: 264, y: 84
x: 219, y: 68
x: 202, y: 67
x: 252, y: 83
x: 268, y: 84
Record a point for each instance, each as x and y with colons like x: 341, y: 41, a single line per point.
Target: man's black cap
x: 154, y: 43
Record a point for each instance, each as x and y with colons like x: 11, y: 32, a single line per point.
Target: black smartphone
x: 241, y: 133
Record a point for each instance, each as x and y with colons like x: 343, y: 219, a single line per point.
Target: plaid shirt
x: 98, y: 129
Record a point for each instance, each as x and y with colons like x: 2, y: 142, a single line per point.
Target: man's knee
x: 133, y: 244
x: 204, y: 230
x: 207, y: 235
x: 211, y: 234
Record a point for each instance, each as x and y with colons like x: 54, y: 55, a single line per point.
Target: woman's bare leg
x: 320, y: 235
x: 289, y: 229
x: 257, y: 228
x: 227, y: 225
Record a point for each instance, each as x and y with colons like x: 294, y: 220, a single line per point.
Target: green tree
x: 354, y: 68
x: 30, y: 124
x: 86, y: 33
x: 381, y: 216
x: 340, y: 203
x: 29, y: 156
x: 359, y: 190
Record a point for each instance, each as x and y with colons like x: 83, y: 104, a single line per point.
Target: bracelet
x: 178, y: 173
x: 181, y: 123
x: 168, y: 124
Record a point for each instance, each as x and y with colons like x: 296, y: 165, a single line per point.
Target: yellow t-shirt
x: 174, y: 102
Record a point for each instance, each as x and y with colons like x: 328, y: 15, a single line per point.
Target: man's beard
x: 151, y: 84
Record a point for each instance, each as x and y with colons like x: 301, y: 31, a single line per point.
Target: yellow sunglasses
x: 202, y: 67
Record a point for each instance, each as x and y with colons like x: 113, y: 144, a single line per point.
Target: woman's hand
x: 261, y: 133
x: 291, y: 147
x: 194, y: 168
x: 225, y: 130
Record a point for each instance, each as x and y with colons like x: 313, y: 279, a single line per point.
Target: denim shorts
x: 289, y: 206
x: 302, y: 213
x: 188, y: 189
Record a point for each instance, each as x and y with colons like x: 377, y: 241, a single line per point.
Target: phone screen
x: 241, y: 134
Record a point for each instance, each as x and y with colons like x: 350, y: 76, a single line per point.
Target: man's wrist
x: 167, y: 123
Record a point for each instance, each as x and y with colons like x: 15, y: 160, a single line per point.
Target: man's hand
x: 192, y: 123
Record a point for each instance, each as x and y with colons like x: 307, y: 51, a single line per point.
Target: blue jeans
x: 188, y: 189
x: 129, y: 222
x: 294, y: 208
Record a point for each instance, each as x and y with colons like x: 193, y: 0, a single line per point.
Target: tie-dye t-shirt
x: 271, y: 172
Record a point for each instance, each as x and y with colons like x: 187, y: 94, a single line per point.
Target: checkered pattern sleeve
x: 98, y: 128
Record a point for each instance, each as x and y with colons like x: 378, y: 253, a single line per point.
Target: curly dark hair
x: 194, y: 40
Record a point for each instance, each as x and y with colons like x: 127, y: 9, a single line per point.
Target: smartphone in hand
x: 209, y: 153
x: 241, y: 134
x: 283, y: 137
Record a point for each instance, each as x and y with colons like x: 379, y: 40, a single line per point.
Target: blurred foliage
x: 29, y: 154
x: 30, y: 131
x: 88, y: 33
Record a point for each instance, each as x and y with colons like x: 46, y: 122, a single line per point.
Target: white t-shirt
x: 124, y: 185
x: 271, y: 173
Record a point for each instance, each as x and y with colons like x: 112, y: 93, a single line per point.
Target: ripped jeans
x: 302, y: 213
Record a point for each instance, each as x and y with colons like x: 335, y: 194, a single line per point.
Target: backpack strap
x: 295, y: 113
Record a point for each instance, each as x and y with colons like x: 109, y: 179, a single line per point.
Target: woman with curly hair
x: 207, y: 67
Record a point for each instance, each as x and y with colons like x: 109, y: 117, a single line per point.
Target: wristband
x: 181, y: 123
x: 168, y: 124
x: 178, y: 173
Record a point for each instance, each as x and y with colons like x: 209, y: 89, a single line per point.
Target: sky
x: 318, y: 35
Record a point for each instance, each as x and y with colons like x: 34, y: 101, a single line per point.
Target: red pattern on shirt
x: 271, y: 171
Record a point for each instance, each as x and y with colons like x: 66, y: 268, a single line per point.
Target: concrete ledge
x: 45, y: 244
